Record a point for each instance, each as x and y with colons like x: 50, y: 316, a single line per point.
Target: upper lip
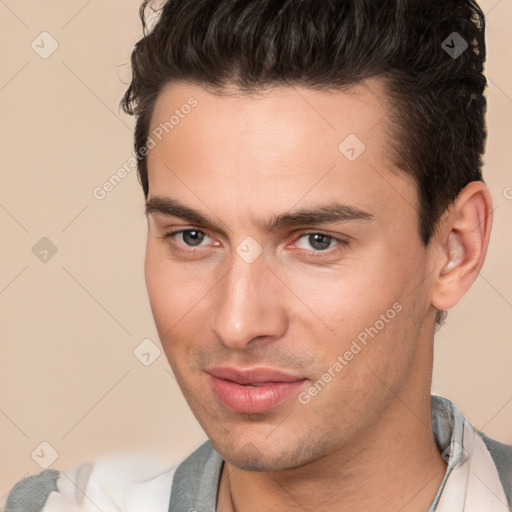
x: 252, y: 375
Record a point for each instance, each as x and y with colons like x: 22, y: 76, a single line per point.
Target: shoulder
x: 121, y: 482
x: 501, y: 454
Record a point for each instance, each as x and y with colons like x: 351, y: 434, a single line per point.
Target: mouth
x: 253, y: 391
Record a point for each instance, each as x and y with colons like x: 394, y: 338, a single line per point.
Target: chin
x: 264, y: 456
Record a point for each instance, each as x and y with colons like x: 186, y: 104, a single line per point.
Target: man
x: 312, y: 172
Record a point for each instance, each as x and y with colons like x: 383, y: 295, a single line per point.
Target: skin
x: 365, y: 441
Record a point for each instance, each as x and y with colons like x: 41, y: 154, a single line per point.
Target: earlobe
x: 463, y: 238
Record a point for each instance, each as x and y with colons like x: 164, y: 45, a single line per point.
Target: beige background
x: 68, y: 373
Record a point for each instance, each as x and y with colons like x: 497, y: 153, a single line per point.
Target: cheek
x: 168, y: 294
x: 346, y: 300
x: 365, y: 370
x: 364, y: 315
x: 179, y: 303
x: 157, y: 284
x: 172, y: 287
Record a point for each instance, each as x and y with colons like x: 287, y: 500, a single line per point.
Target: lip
x: 253, y: 391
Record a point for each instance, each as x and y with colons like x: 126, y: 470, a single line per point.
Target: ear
x: 460, y: 245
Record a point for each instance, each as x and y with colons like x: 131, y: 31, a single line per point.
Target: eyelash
x: 315, y: 252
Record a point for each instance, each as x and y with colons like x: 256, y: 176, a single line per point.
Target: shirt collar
x: 471, y: 482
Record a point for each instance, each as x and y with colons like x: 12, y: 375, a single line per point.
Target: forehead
x: 361, y: 109
x: 277, y: 146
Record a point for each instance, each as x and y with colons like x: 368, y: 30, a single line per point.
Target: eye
x: 186, y: 239
x: 190, y: 241
x: 320, y: 242
x: 191, y: 237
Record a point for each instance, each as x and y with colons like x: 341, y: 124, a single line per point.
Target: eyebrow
x: 322, y: 214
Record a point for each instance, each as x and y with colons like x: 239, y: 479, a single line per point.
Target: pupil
x: 193, y: 237
x: 322, y: 240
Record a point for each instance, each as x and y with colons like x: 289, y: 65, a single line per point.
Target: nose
x: 249, y: 305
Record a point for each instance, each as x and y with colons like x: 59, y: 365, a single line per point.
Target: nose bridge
x: 247, y: 304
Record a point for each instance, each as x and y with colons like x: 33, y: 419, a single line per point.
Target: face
x: 285, y: 271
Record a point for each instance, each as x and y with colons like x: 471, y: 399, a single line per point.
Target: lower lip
x: 253, y: 400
